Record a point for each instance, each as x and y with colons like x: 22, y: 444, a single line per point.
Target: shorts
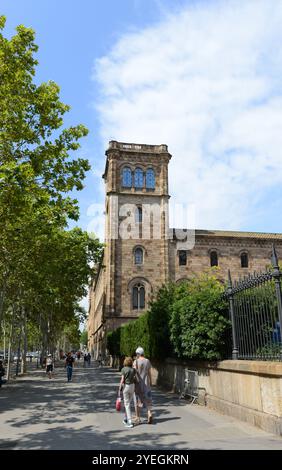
x: 49, y: 368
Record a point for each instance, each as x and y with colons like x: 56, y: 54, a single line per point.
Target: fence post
x: 231, y: 310
x: 277, y: 275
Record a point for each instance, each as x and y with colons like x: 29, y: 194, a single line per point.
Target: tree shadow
x: 62, y: 405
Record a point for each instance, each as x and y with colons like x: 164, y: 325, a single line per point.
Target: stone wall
x: 247, y: 390
x: 229, y: 249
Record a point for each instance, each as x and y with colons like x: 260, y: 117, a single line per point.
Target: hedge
x: 188, y: 321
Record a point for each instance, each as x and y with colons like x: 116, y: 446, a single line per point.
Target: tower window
x: 126, y: 177
x: 138, y: 178
x: 182, y: 258
x: 214, y: 258
x: 138, y: 256
x: 244, y: 260
x: 150, y: 179
x: 138, y: 215
x: 138, y: 297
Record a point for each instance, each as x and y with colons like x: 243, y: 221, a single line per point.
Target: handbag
x: 118, y: 404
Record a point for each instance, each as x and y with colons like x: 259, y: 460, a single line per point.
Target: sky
x: 203, y: 77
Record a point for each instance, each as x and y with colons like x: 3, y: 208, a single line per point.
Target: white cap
x: 49, y: 355
x: 140, y: 351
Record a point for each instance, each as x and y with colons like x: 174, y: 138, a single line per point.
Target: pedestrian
x: 89, y: 359
x: 2, y: 373
x: 85, y: 360
x: 127, y: 383
x: 69, y: 365
x: 100, y: 360
x: 49, y: 366
x: 143, y: 388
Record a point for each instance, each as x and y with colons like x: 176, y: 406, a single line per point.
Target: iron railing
x: 255, y: 309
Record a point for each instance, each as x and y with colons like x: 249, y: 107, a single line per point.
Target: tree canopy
x: 44, y: 267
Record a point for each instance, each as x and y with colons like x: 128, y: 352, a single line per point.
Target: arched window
x: 138, y: 178
x: 150, y: 179
x: 138, y: 256
x: 138, y: 296
x: 244, y: 260
x: 126, y: 177
x: 214, y: 258
x: 182, y: 254
x: 138, y: 215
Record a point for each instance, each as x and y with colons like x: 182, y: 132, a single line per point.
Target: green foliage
x: 187, y: 320
x: 84, y: 338
x: 159, y: 320
x: 125, y: 340
x: 199, y: 319
x: 30, y: 114
x: 72, y: 334
x: 269, y: 351
x: 135, y: 334
x: 113, y: 342
x: 44, y: 267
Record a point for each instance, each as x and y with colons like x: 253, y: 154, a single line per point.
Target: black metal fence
x: 255, y: 308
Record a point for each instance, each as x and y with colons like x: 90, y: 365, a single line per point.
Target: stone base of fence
x: 267, y: 422
x: 248, y: 390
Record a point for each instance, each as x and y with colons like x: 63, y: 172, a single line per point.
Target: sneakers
x: 124, y: 420
x: 129, y: 425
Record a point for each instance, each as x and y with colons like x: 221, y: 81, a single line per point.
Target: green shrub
x: 199, y: 319
x: 159, y: 320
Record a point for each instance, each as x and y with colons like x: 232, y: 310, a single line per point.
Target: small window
x: 135, y: 295
x: 126, y: 177
x: 138, y: 178
x: 138, y: 215
x: 244, y: 260
x: 214, y: 258
x: 138, y: 256
x: 182, y: 257
x: 142, y: 297
x: 150, y: 179
x: 138, y: 297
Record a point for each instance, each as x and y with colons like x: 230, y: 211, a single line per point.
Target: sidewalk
x: 38, y: 413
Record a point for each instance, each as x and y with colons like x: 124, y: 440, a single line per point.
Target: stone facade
x: 142, y: 253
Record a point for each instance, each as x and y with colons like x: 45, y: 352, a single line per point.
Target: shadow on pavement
x: 56, y: 403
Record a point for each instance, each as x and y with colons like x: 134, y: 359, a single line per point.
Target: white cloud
x: 207, y: 82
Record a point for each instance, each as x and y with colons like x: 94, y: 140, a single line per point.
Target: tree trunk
x: 4, y: 341
x: 9, y: 350
x: 2, y: 298
x: 23, y: 368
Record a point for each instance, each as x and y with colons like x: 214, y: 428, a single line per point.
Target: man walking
x: 143, y: 366
x: 89, y: 359
x: 69, y: 365
x: 2, y: 373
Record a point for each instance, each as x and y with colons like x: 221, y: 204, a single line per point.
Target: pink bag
x: 118, y: 404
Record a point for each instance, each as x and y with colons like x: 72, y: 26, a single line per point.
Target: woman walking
x: 127, y: 382
x: 49, y: 366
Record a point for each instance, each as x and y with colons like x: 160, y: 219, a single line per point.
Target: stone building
x: 141, y: 251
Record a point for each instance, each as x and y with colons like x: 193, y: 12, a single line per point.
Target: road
x: 39, y: 413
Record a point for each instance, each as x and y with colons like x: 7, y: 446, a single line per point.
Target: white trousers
x: 128, y: 393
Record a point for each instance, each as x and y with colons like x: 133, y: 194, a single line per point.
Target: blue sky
x: 71, y: 35
x: 203, y: 77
